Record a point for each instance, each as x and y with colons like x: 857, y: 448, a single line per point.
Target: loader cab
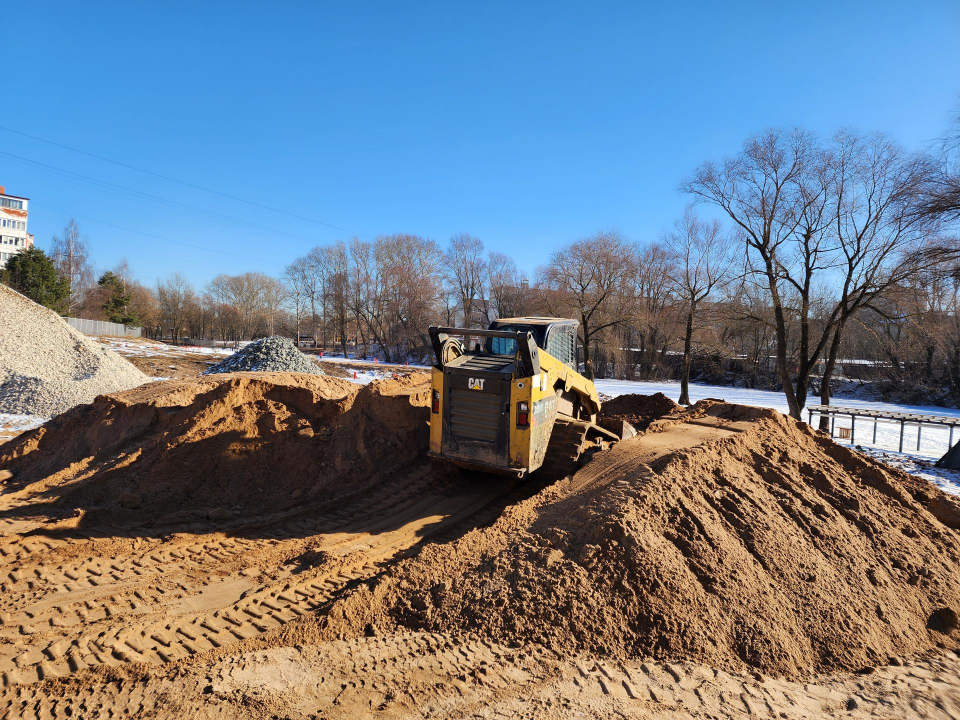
x: 558, y: 337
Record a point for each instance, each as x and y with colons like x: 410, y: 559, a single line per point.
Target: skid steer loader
x: 514, y: 403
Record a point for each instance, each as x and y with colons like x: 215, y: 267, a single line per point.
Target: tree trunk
x: 828, y: 369
x: 782, y: 368
x: 685, y: 370
x: 587, y: 362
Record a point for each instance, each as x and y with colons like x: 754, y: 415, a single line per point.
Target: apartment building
x: 14, y: 237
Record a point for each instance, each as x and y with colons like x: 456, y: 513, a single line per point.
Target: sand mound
x: 220, y: 447
x: 771, y: 548
x: 270, y: 354
x: 639, y: 410
x: 47, y: 367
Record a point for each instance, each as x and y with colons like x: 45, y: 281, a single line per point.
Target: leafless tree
x: 701, y: 260
x: 652, y: 323
x: 466, y: 271
x: 294, y: 277
x: 881, y: 239
x: 71, y: 257
x: 338, y: 289
x: 274, y: 294
x: 591, y: 281
x: 775, y: 193
x: 174, y: 296
x: 317, y: 275
x: 815, y: 219
x: 507, y: 287
x: 941, y: 198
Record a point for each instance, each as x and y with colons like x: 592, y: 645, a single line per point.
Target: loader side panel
x: 436, y: 419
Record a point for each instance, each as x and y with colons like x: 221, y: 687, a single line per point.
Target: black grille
x: 492, y: 363
x: 474, y: 415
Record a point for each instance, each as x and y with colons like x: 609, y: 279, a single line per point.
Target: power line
x: 155, y: 237
x: 183, y: 182
x: 156, y: 198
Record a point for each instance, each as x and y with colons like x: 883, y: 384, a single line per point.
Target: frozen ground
x: 13, y: 425
x: 146, y: 348
x: 933, y: 441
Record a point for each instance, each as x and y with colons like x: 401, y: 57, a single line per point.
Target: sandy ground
x: 197, y: 621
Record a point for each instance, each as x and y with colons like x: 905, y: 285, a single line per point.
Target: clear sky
x: 526, y: 124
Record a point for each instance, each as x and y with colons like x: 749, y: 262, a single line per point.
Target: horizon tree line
x: 818, y: 252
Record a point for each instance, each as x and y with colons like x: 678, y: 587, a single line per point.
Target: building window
x: 15, y: 204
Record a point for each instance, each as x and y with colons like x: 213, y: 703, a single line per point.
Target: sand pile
x: 639, y: 410
x: 219, y: 447
x: 772, y: 548
x: 47, y: 367
x: 270, y: 354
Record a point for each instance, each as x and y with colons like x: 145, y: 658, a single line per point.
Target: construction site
x: 264, y: 543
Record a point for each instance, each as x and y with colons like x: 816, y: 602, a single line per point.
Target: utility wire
x: 155, y: 237
x: 183, y: 182
x: 155, y: 198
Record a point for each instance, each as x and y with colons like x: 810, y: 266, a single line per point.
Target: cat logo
x: 475, y: 383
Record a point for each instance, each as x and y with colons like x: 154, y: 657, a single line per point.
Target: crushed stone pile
x: 770, y: 549
x: 639, y: 410
x: 47, y: 367
x: 270, y: 354
x: 219, y: 448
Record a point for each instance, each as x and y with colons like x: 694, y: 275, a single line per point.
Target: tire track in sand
x: 165, y: 604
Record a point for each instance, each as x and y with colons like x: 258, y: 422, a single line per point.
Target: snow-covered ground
x: 145, y: 348
x: 13, y: 425
x: 934, y: 441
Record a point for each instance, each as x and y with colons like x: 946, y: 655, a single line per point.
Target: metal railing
x: 918, y: 419
x: 101, y: 327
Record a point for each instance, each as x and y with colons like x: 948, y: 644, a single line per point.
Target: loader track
x: 84, y: 599
x: 565, y: 449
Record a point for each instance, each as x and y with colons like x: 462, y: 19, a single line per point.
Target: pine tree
x: 33, y: 274
x: 117, y: 304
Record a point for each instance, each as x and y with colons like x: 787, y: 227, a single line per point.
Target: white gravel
x: 269, y: 354
x: 47, y: 367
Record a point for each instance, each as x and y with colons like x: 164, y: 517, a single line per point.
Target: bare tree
x: 774, y: 191
x: 817, y: 218
x: 174, y: 296
x: 591, y: 280
x: 652, y: 323
x: 466, y: 271
x: 315, y: 284
x: 71, y: 257
x: 506, y: 287
x: 941, y: 197
x: 274, y: 294
x: 880, y: 237
x: 294, y: 277
x: 338, y: 288
x: 701, y: 262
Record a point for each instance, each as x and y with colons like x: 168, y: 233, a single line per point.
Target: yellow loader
x: 514, y: 403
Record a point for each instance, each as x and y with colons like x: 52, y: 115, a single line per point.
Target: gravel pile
x: 47, y: 367
x: 271, y: 354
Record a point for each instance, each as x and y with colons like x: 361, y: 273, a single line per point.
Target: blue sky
x: 528, y: 125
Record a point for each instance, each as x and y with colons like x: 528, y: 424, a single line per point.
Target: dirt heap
x: 47, y: 367
x: 220, y: 447
x: 772, y: 548
x: 269, y: 354
x: 639, y: 410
